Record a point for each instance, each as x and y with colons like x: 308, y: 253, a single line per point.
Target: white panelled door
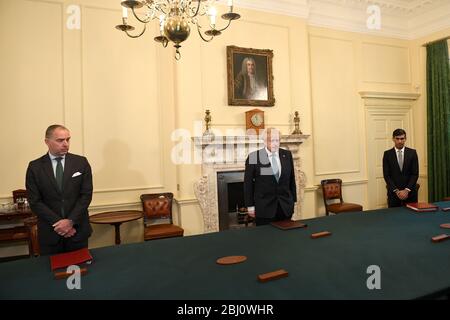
x: 381, y: 122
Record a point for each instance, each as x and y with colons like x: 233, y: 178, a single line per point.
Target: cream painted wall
x: 114, y: 94
x: 343, y: 66
x: 122, y: 98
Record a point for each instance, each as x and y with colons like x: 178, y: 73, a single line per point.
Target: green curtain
x: 438, y: 120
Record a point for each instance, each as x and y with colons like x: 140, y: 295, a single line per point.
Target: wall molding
x: 6, y: 197
x: 312, y: 188
x: 347, y: 183
x: 128, y: 189
x: 389, y: 95
x: 399, y: 19
x: 337, y: 172
x: 114, y: 206
x: 186, y: 201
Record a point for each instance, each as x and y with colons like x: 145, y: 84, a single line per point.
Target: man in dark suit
x: 400, y: 171
x: 269, y: 181
x: 59, y: 186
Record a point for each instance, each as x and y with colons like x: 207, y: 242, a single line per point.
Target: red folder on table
x: 66, y: 259
x: 422, y: 206
x: 288, y: 224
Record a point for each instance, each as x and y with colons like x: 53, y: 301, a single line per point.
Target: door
x: 381, y: 123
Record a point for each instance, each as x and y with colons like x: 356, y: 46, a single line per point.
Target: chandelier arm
x: 138, y: 35
x: 139, y: 19
x: 161, y: 7
x: 229, y: 22
x: 197, y: 11
x: 201, y: 36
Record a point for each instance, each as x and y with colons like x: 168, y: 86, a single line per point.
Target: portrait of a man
x: 250, y: 77
x: 247, y: 84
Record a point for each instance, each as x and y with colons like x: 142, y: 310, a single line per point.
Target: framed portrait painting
x: 250, y: 78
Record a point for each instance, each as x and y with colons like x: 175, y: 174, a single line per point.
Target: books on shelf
x: 422, y: 206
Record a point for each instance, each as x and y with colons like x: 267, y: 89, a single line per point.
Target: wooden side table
x: 27, y: 232
x: 116, y: 218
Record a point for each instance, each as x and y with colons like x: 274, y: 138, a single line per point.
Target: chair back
x: 19, y: 195
x: 157, y: 206
x: 331, y: 189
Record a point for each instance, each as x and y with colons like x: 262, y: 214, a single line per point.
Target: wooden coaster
x: 272, y: 275
x: 320, y: 234
x: 231, y: 260
x: 64, y: 274
x: 445, y: 226
x: 440, y: 238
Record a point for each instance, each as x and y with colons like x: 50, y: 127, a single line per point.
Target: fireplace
x: 223, y: 164
x: 230, y: 194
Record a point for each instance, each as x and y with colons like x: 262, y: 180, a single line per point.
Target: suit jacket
x: 262, y: 190
x: 46, y: 201
x: 396, y: 179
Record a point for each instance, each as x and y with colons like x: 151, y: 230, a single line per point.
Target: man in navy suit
x: 59, y: 186
x: 269, y: 181
x: 400, y: 171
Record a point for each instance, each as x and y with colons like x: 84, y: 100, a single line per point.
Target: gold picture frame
x: 250, y: 77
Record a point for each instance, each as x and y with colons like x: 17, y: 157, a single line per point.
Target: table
x: 397, y: 240
x: 116, y: 218
x: 25, y: 231
x: 16, y: 214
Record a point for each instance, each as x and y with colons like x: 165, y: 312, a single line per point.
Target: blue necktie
x: 275, y: 168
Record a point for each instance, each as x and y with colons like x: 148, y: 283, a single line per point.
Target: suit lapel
x: 395, y: 159
x: 284, y: 163
x: 48, y: 168
x: 406, y: 158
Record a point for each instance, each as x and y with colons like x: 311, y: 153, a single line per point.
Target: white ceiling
x: 405, y: 19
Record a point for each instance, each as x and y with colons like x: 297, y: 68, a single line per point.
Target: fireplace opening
x: 230, y: 189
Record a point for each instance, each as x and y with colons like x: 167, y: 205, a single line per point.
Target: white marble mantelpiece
x: 228, y: 153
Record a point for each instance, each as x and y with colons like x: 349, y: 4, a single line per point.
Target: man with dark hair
x: 59, y: 186
x: 269, y: 181
x: 400, y: 171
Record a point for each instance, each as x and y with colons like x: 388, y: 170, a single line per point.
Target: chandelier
x: 175, y: 18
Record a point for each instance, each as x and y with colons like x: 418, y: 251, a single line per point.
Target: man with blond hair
x: 269, y: 181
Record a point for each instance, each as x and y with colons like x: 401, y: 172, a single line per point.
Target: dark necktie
x: 59, y: 173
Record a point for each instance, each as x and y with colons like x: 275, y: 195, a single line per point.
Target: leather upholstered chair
x: 332, y: 190
x: 19, y: 195
x: 158, y: 221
